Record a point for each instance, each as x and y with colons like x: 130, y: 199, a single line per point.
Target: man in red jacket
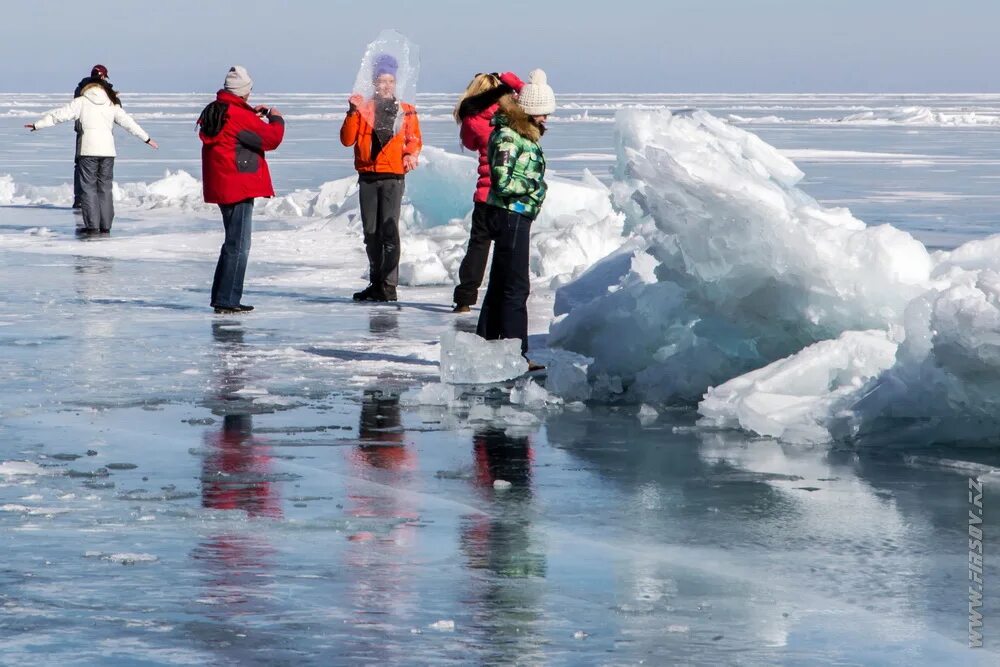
x: 233, y: 169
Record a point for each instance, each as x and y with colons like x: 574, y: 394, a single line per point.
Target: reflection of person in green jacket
x: 517, y: 190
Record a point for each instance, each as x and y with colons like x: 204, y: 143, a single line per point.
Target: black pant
x: 505, y: 307
x: 77, y: 185
x: 473, y: 268
x: 97, y: 175
x: 380, y: 203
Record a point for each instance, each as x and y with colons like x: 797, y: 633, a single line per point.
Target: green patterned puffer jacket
x: 517, y: 168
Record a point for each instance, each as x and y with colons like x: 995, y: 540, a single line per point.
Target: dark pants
x: 380, y: 203
x: 505, y: 306
x: 227, y: 289
x: 97, y: 175
x: 473, y: 268
x: 77, y: 186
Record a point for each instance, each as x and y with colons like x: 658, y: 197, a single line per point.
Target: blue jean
x: 227, y: 288
x: 505, y: 307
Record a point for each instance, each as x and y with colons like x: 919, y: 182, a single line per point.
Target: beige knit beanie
x: 536, y: 97
x: 238, y: 81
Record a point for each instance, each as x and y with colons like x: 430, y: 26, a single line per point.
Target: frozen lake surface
x: 183, y: 488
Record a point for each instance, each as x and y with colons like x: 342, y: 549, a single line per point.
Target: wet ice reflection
x: 260, y: 503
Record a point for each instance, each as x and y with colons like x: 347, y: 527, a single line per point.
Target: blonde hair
x: 479, y: 84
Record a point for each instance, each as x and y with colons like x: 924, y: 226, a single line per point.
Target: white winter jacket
x: 97, y: 116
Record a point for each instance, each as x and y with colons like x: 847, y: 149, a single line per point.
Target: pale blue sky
x: 585, y: 46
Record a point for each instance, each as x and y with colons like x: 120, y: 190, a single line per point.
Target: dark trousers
x: 505, y: 306
x: 380, y: 203
x: 77, y: 184
x: 97, y: 175
x: 227, y: 289
x: 473, y: 268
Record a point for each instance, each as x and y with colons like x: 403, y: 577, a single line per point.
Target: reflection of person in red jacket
x: 386, y: 137
x: 234, y: 171
x: 475, y: 111
x: 232, y: 468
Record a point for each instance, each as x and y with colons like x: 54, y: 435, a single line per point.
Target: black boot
x: 370, y: 293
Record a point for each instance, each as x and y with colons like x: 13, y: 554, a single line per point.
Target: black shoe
x: 461, y: 308
x: 105, y: 231
x: 243, y: 308
x: 370, y: 293
x: 226, y: 310
x: 85, y: 231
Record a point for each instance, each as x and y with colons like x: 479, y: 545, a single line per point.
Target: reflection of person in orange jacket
x: 380, y: 425
x: 383, y: 580
x: 385, y: 134
x: 381, y: 457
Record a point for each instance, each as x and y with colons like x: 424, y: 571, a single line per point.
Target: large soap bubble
x: 390, y: 53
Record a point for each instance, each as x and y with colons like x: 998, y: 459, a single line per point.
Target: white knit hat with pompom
x: 536, y: 97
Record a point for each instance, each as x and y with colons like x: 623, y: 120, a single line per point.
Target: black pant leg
x: 88, y: 197
x: 473, y: 268
x: 105, y: 192
x: 517, y: 286
x: 368, y: 201
x: 389, y: 205
x: 491, y: 315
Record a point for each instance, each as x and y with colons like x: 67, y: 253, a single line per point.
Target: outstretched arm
x: 69, y: 112
x: 127, y: 122
x: 132, y: 127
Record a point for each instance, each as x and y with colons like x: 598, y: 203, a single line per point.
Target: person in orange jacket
x: 385, y: 134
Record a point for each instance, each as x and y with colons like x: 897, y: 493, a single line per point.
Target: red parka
x: 233, y: 167
x: 476, y: 113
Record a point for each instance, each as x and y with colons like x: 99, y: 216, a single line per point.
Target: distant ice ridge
x: 915, y: 115
x: 577, y: 227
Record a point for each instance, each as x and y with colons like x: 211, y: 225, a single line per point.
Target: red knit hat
x: 99, y: 70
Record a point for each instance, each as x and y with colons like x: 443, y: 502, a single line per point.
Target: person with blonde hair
x: 474, y: 112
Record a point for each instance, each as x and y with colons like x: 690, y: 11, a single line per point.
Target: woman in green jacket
x: 517, y: 191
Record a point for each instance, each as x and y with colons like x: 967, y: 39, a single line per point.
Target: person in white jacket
x: 98, y: 109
